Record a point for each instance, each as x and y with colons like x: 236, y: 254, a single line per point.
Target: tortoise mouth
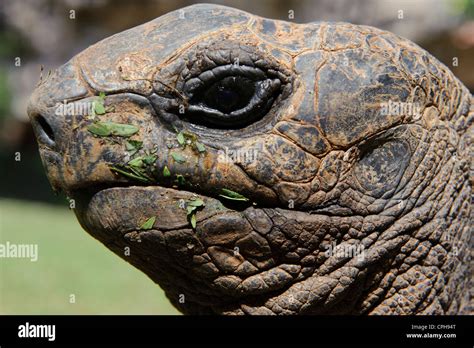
x: 121, y: 208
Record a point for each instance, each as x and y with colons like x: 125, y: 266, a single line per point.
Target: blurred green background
x: 42, y: 33
x: 70, y: 262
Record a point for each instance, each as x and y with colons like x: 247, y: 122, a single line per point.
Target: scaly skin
x: 330, y: 169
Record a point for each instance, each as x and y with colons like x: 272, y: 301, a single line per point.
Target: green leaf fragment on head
x: 193, y: 221
x: 138, y: 165
x: 123, y: 130
x: 133, y: 145
x: 131, y: 173
x: 192, y: 206
x: 99, y: 108
x: 180, y: 138
x: 200, y: 147
x: 232, y: 195
x: 148, y: 224
x: 99, y: 129
x: 198, y: 202
x: 150, y: 159
x: 178, y: 157
x: 136, y: 162
x: 138, y: 172
x: 193, y: 137
x: 166, y: 172
x: 105, y: 129
x: 190, y: 210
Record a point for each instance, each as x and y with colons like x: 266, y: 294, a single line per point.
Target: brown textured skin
x: 397, y: 185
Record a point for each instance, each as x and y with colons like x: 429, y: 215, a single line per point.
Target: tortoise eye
x: 230, y: 96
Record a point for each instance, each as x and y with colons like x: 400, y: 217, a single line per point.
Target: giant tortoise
x: 257, y: 166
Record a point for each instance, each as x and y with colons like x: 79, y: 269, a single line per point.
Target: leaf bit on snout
x: 232, y: 195
x: 137, y: 168
x: 148, y: 224
x: 131, y: 173
x: 192, y: 206
x: 99, y: 108
x: 107, y: 128
x: 178, y: 157
x: 185, y: 138
x: 133, y: 146
x: 166, y: 172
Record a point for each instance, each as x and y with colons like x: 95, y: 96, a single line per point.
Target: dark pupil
x: 230, y: 94
x: 227, y: 97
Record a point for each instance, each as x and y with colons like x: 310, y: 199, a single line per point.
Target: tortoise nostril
x: 45, y: 127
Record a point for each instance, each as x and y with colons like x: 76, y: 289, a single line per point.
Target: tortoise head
x: 256, y: 166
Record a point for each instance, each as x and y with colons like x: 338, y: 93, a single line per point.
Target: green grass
x: 69, y: 262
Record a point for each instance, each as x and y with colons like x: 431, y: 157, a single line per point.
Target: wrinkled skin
x: 330, y: 167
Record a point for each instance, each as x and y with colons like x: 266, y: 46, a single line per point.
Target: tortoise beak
x: 62, y: 86
x: 52, y: 128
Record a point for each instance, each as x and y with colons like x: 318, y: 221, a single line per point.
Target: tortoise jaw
x: 119, y: 209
